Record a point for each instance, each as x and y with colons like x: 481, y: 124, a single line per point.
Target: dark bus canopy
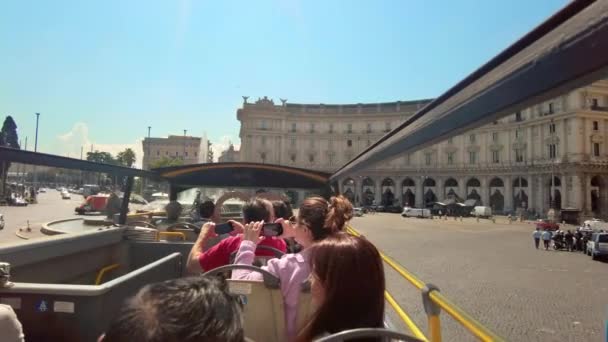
x: 567, y: 51
x: 242, y: 175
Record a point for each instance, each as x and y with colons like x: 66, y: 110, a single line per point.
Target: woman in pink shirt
x: 317, y: 219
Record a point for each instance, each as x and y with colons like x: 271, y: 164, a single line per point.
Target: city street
x: 50, y: 207
x: 492, y: 271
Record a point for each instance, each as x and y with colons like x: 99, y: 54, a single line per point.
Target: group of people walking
x: 559, y: 239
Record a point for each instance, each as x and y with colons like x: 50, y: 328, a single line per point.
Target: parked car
x: 416, y: 212
x: 42, y: 190
x: 1, y: 222
x: 65, y: 195
x: 546, y: 225
x: 394, y: 209
x: 481, y: 211
x: 595, y: 224
x: 597, y: 246
x: 358, y: 212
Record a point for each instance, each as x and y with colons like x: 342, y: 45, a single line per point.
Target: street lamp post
x: 36, y: 150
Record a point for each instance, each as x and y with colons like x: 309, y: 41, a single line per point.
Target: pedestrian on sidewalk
x: 536, y: 235
x: 547, y: 238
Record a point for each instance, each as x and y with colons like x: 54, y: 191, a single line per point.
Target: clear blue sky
x: 102, y: 71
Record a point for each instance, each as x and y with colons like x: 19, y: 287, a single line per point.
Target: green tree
x: 8, y: 138
x: 8, y: 134
x: 166, y: 162
x: 101, y: 157
x: 126, y: 157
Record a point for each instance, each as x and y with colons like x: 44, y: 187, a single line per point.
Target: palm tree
x: 126, y: 157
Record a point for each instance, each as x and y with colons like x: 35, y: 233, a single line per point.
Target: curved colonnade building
x: 510, y: 164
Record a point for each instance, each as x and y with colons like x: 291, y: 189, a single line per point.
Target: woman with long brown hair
x: 317, y: 219
x: 347, y: 285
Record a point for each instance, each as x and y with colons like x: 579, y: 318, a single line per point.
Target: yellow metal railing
x: 436, y: 303
x: 405, y: 317
x: 180, y: 235
x: 103, y: 271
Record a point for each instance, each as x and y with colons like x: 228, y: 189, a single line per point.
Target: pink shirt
x: 292, y: 270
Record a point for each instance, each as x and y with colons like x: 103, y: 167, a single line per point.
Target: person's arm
x: 207, y: 232
x: 246, y: 252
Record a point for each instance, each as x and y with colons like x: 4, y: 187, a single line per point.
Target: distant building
x: 186, y: 148
x: 551, y: 153
x: 230, y: 155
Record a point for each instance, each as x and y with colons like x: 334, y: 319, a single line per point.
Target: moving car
x: 65, y: 194
x: 416, y: 212
x: 546, y: 225
x: 597, y: 246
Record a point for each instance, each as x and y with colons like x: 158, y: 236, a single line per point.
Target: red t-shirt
x: 219, y: 255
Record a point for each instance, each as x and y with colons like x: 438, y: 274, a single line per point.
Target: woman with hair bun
x: 317, y: 219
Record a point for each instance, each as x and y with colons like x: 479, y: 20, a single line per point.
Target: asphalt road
x: 492, y: 271
x: 50, y: 207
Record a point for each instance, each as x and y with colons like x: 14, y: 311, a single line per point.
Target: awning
x: 567, y: 51
x: 243, y: 175
x: 470, y: 202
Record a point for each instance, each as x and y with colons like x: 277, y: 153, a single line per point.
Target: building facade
x: 185, y: 148
x: 229, y: 155
x: 552, y: 154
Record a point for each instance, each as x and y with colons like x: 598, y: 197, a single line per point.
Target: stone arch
x: 451, y: 182
x: 497, y: 198
x: 473, y: 190
x: 429, y: 182
x: 408, y: 182
x: 367, y: 191
x: 597, y: 192
x: 348, y: 189
x: 387, y: 191
x: 429, y: 198
x: 520, y: 193
x: 217, y: 214
x: 408, y: 191
x: 496, y: 182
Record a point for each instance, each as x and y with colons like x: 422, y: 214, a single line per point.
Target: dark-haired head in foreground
x: 185, y: 310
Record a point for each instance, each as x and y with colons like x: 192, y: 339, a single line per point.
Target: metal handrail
x: 103, y: 271
x: 404, y: 317
x: 438, y: 301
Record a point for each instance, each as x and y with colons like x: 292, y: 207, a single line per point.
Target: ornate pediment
x: 597, y: 138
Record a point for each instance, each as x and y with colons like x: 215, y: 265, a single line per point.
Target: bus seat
x: 381, y: 334
x: 305, y: 307
x: 262, y: 303
x: 260, y: 261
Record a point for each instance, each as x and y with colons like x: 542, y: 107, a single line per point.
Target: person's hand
x: 207, y: 231
x: 237, y: 227
x: 289, y: 228
x: 252, y: 232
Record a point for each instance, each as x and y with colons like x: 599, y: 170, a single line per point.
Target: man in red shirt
x: 202, y: 260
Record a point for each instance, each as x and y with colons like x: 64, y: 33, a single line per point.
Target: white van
x: 416, y: 212
x: 481, y: 211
